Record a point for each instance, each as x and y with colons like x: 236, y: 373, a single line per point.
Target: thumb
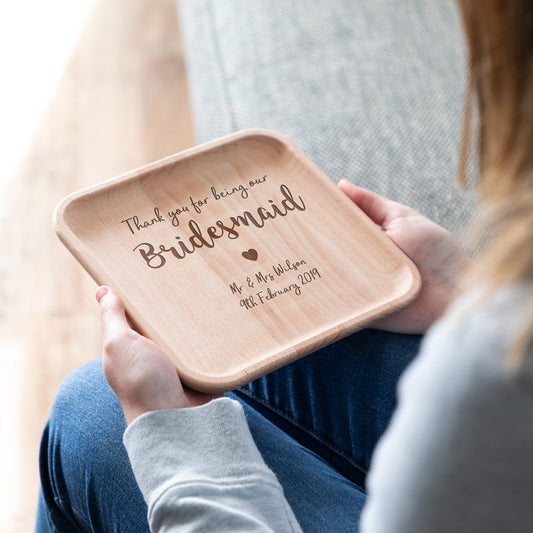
x: 380, y: 210
x: 376, y: 207
x: 112, y: 315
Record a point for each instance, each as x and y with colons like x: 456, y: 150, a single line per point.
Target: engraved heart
x: 250, y: 254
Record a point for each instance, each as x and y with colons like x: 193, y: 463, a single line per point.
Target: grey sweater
x: 457, y: 456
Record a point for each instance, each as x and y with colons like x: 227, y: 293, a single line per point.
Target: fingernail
x: 100, y: 293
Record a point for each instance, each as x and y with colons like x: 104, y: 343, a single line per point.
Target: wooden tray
x: 236, y: 257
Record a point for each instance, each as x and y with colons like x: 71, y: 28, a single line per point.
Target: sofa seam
x: 221, y: 66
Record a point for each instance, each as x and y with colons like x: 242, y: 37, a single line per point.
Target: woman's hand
x: 433, y: 249
x: 142, y: 376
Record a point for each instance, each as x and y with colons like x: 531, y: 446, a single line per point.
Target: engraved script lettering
x: 134, y: 224
x: 156, y: 256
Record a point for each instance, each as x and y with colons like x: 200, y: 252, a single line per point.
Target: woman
x: 292, y: 449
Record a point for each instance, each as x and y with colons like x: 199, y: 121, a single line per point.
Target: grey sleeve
x: 199, y: 470
x: 457, y: 455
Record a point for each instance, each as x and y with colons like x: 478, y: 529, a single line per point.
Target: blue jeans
x: 316, y: 423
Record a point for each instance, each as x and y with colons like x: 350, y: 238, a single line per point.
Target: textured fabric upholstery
x: 372, y: 91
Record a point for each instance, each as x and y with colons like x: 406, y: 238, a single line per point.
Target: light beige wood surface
x: 236, y: 257
x: 122, y: 102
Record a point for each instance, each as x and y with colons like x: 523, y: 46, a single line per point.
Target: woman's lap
x: 315, y: 422
x: 85, y: 473
x: 337, y: 401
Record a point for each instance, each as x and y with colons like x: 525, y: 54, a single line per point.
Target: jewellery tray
x: 236, y: 257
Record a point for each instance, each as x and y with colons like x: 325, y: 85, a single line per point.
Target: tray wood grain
x: 236, y: 257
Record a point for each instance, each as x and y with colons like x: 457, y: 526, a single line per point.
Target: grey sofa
x: 371, y: 90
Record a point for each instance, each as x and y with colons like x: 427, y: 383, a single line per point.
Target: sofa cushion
x: 372, y: 91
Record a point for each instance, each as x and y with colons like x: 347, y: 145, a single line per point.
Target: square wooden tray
x: 236, y: 257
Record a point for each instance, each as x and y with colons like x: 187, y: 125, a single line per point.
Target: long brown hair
x: 499, y: 34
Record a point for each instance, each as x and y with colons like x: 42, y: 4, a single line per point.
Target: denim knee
x: 85, y: 473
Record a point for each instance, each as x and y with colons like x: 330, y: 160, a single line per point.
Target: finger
x: 112, y: 314
x: 376, y: 207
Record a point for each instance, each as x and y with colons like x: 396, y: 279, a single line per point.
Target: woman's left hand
x: 142, y: 376
x: 435, y: 252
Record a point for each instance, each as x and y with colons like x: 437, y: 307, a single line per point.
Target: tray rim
x: 311, y: 342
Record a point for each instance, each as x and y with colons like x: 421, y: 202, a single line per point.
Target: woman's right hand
x: 433, y: 249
